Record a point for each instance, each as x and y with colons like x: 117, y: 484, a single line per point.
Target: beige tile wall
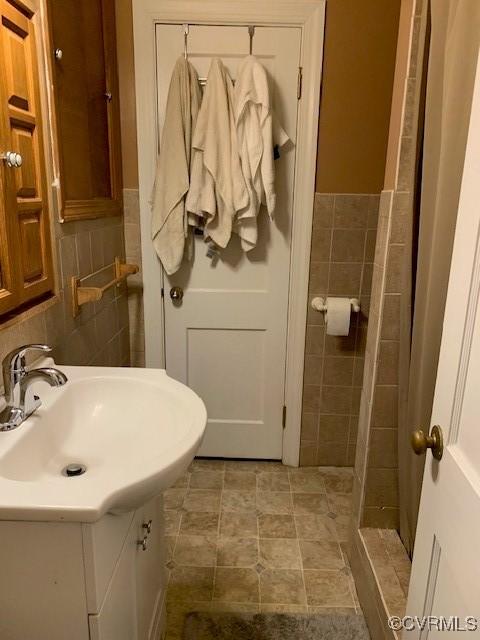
x: 99, y: 335
x: 341, y: 264
x: 376, y: 464
x: 135, y: 283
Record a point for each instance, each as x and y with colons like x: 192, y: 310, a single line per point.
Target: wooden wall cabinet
x: 86, y: 116
x: 26, y: 271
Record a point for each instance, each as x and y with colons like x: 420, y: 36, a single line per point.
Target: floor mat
x: 274, y: 626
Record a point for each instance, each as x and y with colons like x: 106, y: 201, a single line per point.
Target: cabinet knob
x: 12, y: 158
x: 147, y: 526
x: 58, y: 54
x: 142, y: 544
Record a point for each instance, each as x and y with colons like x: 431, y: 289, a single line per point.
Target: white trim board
x: 309, y: 16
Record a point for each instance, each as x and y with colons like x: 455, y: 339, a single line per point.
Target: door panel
x: 25, y: 199
x: 445, y: 563
x: 227, y: 338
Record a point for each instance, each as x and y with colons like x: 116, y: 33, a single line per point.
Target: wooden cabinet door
x: 85, y: 83
x: 25, y: 241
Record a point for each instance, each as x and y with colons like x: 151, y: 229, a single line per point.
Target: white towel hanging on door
x: 169, y: 225
x: 217, y: 186
x: 258, y: 132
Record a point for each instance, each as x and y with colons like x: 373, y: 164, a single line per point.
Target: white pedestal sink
x: 135, y: 430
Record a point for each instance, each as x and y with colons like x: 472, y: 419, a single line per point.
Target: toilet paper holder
x: 320, y: 304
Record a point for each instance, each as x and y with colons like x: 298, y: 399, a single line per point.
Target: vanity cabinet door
x: 117, y: 618
x: 132, y: 609
x: 150, y: 569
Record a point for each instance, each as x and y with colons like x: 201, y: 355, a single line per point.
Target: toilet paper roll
x: 337, y: 316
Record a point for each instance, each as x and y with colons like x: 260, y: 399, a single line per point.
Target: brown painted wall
x: 358, y: 71
x: 359, y: 64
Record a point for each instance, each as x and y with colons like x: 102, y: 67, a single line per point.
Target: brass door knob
x: 422, y: 442
x: 176, y: 294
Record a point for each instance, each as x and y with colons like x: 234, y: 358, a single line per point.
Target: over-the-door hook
x: 251, y: 33
x: 185, y: 41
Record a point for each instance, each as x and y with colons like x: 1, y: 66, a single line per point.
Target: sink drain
x: 74, y: 469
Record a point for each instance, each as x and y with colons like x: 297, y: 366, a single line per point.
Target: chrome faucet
x: 21, y: 402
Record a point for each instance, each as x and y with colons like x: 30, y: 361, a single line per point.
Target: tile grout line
x: 219, y: 524
x: 298, y: 541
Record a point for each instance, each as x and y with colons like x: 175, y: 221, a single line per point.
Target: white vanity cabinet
x: 100, y: 581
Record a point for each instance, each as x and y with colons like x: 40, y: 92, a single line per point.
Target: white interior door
x: 227, y: 337
x: 446, y: 564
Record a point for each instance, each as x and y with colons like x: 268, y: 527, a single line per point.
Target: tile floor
x: 258, y: 536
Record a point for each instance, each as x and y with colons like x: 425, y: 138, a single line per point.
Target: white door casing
x: 226, y: 339
x: 445, y: 568
x: 308, y: 16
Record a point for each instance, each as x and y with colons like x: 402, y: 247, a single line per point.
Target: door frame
x: 309, y: 16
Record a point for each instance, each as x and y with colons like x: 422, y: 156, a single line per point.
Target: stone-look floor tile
x: 237, y: 552
x: 283, y: 608
x: 238, y: 524
x: 206, y: 480
x: 172, y: 522
x: 272, y: 467
x: 340, y: 504
x: 337, y: 480
x: 240, y: 480
x: 250, y: 539
x: 339, y: 611
x: 276, y: 526
x: 191, y: 583
x: 202, y: 500
x: 274, y: 502
x: 321, y: 554
x: 204, y: 464
x: 271, y: 481
x: 345, y: 547
x: 195, y: 551
x: 170, y: 542
x: 283, y: 586
x: 339, y: 484
x: 199, y: 523
x: 307, y: 482
x: 279, y: 553
x: 310, y: 503
x: 328, y: 589
x: 241, y: 465
x: 342, y: 525
x: 236, y: 585
x: 239, y: 501
x: 182, y: 482
x: 316, y: 527
x: 175, y: 622
x: 228, y: 607
x: 173, y: 498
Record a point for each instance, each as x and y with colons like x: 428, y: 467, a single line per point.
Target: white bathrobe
x: 169, y: 223
x: 258, y: 133
x: 217, y: 186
